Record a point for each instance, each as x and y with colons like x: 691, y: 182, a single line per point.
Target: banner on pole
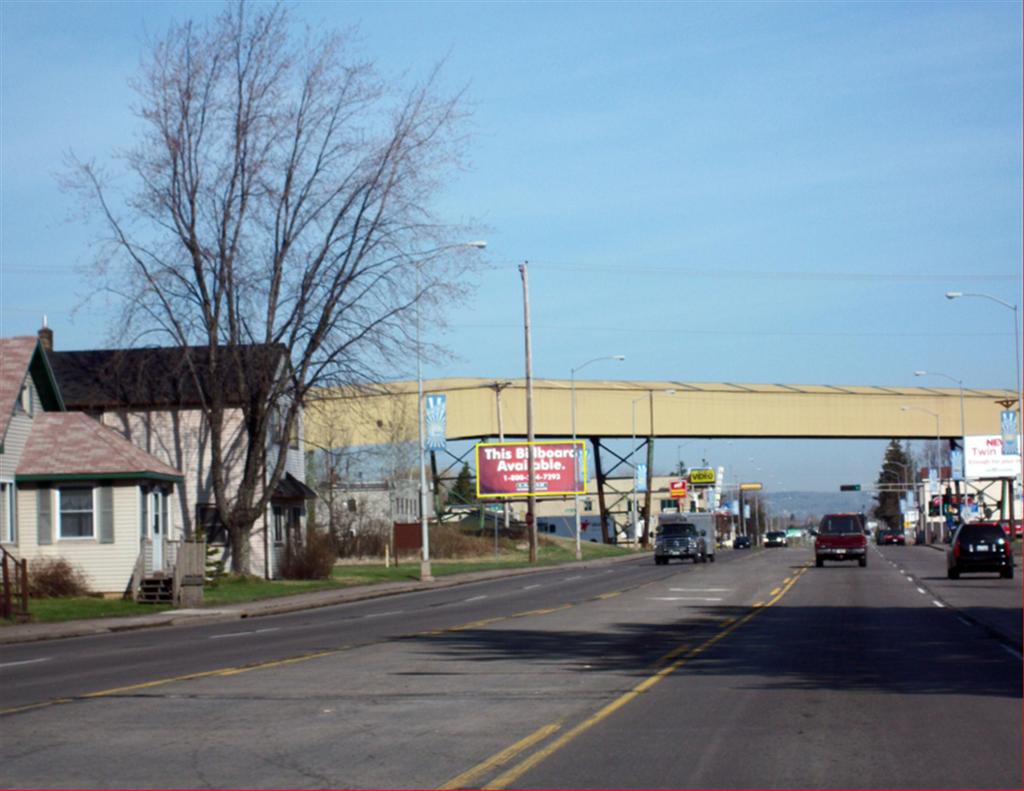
x: 436, y: 419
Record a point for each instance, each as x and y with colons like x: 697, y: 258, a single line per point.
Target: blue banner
x: 641, y: 477
x: 956, y: 461
x: 1008, y: 427
x: 436, y: 418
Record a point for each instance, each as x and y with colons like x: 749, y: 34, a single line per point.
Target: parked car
x: 841, y: 537
x: 892, y: 537
x: 979, y: 546
x: 741, y: 542
x: 775, y: 538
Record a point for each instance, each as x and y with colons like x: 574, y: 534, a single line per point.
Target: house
x: 154, y: 399
x: 72, y: 488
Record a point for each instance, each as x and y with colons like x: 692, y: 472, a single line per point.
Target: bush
x: 368, y: 542
x: 55, y: 578
x: 313, y: 559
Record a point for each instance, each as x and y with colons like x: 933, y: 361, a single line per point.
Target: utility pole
x: 531, y: 521
x: 498, y: 387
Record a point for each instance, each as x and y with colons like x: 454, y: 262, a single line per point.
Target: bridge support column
x: 599, y: 474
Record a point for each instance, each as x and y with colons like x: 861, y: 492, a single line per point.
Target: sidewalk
x: 32, y: 632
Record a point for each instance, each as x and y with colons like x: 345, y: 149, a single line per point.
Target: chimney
x: 46, y: 336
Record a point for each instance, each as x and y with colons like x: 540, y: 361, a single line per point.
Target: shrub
x: 54, y: 578
x: 313, y: 559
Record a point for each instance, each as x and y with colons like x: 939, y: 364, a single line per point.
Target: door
x: 157, y: 533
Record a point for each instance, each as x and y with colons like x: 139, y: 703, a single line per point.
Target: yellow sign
x: 703, y: 477
x: 750, y: 487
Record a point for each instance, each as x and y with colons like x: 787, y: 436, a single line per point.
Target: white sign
x: 984, y: 458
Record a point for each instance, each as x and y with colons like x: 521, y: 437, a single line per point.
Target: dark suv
x: 979, y: 546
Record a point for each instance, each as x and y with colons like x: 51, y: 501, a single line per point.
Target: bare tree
x: 278, y: 199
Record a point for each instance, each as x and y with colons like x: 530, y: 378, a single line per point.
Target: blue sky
x: 748, y: 192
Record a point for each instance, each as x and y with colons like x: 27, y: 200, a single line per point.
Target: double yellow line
x: 670, y: 663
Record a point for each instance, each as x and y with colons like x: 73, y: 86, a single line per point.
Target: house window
x: 76, y: 512
x: 7, y: 512
x: 278, y: 524
x: 26, y: 398
x: 208, y: 521
x: 668, y: 505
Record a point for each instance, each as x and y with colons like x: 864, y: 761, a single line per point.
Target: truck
x: 841, y: 537
x: 685, y: 536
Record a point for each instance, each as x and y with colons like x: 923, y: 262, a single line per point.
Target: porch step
x: 156, y: 590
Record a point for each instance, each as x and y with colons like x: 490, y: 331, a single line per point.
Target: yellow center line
x: 515, y: 772
x: 467, y: 778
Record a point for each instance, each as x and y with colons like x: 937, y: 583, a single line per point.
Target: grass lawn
x: 234, y: 590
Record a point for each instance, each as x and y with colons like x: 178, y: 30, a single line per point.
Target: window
x: 7, y: 535
x: 76, y: 512
x: 208, y: 521
x: 278, y: 524
x: 26, y: 398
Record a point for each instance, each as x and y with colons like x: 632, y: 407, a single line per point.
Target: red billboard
x: 502, y: 468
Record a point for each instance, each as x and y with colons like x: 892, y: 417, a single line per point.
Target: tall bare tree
x: 279, y: 198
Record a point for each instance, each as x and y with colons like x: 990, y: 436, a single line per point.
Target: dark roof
x: 162, y: 377
x: 291, y: 488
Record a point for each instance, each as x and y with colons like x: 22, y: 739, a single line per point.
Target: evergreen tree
x: 464, y: 490
x: 893, y: 479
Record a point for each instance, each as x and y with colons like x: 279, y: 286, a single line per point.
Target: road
x: 755, y: 671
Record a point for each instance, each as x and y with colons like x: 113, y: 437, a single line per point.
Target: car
x: 979, y: 546
x: 891, y: 537
x: 680, y: 541
x: 1013, y: 532
x: 775, y: 538
x: 841, y: 537
x: 741, y: 542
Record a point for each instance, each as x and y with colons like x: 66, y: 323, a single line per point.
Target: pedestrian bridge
x: 608, y: 409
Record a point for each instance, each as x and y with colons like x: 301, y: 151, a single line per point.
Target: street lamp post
x: 963, y: 431
x: 425, y: 574
x: 1016, y: 362
x: 938, y: 436
x: 576, y: 463
x: 632, y: 462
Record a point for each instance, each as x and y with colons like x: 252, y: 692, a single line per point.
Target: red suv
x: 841, y: 537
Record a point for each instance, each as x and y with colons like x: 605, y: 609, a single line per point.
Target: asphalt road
x: 755, y: 671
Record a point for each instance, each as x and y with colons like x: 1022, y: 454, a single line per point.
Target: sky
x: 744, y: 192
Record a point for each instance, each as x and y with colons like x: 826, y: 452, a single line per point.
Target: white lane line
x: 700, y: 590
x: 531, y: 587
x: 938, y: 603
x: 964, y: 621
x: 570, y: 579
x: 243, y: 634
x: 475, y: 598
x: 25, y: 662
x: 922, y: 591
x: 1012, y: 652
x: 383, y: 614
x: 683, y: 598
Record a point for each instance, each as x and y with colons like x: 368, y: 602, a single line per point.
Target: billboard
x: 984, y: 458
x: 502, y: 468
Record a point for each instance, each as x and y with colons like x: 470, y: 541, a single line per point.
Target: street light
x: 576, y: 494
x: 1016, y: 362
x: 938, y: 439
x: 632, y: 455
x: 963, y: 431
x: 425, y: 575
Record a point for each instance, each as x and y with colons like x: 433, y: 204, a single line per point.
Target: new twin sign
x: 502, y: 468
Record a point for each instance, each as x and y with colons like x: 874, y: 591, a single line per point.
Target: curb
x: 37, y: 632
